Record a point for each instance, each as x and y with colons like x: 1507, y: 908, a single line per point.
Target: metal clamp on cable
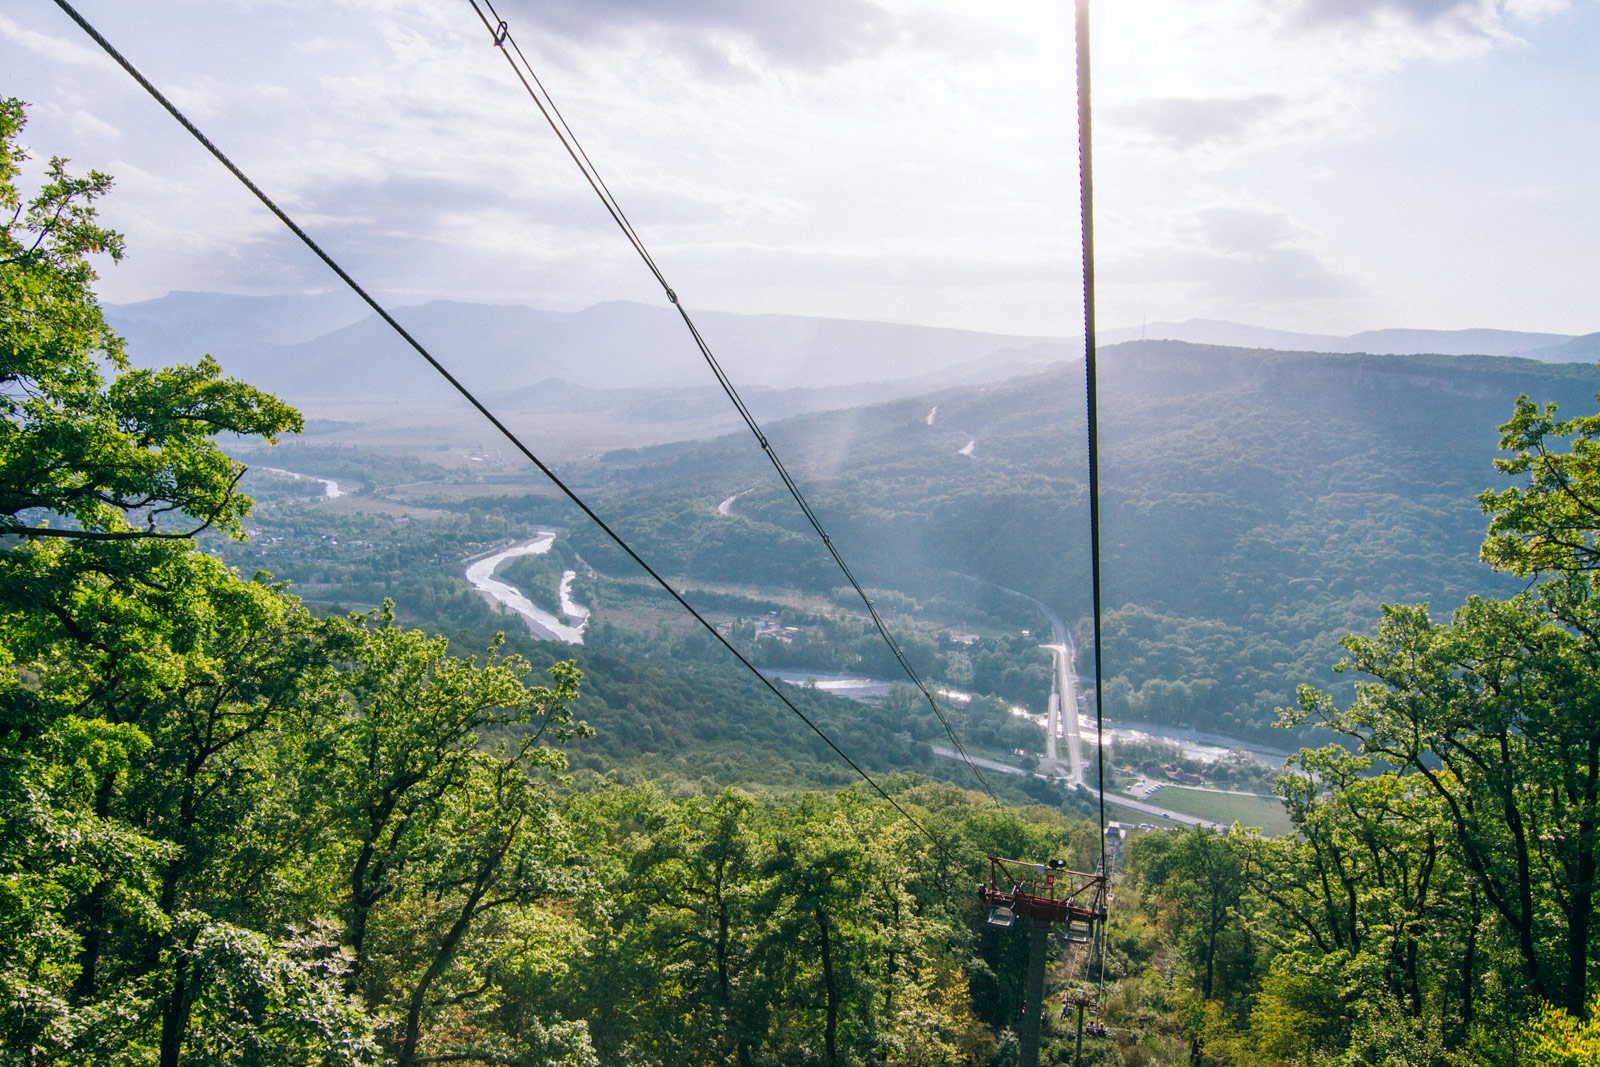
x: 501, y: 32
x: 672, y: 296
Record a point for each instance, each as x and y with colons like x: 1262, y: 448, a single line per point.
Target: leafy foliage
x: 1547, y: 525
x: 1441, y: 888
x: 1557, y: 1039
x: 235, y: 831
x: 71, y: 445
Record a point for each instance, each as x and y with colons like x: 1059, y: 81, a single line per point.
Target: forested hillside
x: 236, y: 830
x: 1257, y: 505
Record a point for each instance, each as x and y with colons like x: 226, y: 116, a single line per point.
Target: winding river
x: 543, y: 625
x: 330, y: 488
x: 849, y: 686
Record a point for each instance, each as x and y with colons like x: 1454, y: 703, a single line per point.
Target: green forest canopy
x: 233, y: 831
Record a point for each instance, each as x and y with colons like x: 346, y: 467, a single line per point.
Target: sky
x: 1326, y: 166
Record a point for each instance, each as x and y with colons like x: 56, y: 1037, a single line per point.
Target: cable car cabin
x: 1045, y: 892
x: 1079, y: 998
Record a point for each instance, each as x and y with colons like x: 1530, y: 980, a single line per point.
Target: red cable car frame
x: 1045, y: 892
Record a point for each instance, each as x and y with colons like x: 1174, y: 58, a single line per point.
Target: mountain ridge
x: 325, y: 347
x: 1256, y: 505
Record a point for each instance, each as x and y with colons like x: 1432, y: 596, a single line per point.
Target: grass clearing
x: 1225, y: 808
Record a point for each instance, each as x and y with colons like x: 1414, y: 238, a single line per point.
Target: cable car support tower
x: 1045, y: 895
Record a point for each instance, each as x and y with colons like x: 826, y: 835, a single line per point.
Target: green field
x: 1132, y: 817
x: 1225, y: 808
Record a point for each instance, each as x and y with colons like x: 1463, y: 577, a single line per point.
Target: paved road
x: 1124, y: 801
x: 987, y: 764
x: 1208, y: 789
x: 1066, y: 677
x: 1119, y: 799
x: 1065, y: 687
x: 1065, y: 683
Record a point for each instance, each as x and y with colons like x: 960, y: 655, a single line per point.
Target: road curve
x: 1124, y: 801
x: 726, y: 507
x: 1119, y: 799
x: 1065, y: 681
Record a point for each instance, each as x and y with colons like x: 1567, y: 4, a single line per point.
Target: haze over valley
x: 638, y: 608
x: 622, y: 374
x: 1258, y: 504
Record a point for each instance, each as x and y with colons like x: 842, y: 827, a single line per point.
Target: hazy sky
x: 1320, y: 165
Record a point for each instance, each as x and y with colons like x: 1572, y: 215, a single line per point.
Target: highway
x: 1064, y: 685
x: 1065, y: 690
x: 990, y: 764
x: 1120, y: 799
x: 1065, y: 694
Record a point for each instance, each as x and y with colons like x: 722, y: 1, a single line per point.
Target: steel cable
x: 1092, y: 402
x: 503, y: 39
x: 494, y: 420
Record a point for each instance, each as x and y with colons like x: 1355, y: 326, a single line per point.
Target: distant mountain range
x: 1394, y: 342
x: 328, y: 348
x: 323, y: 348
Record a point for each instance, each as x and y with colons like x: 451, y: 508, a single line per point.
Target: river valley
x: 544, y: 625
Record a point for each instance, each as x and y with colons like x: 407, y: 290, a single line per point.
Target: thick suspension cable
x: 493, y: 419
x: 1092, y: 396
x: 503, y: 39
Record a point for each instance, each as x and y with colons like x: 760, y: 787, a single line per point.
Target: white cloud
x: 55, y: 49
x: 1221, y: 259
x: 900, y: 159
x: 91, y: 127
x: 1183, y: 123
x: 1436, y: 19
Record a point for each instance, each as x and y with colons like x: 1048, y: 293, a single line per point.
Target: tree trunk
x: 446, y: 952
x: 888, y: 979
x: 1522, y: 852
x: 355, y: 934
x: 830, y: 1031
x: 175, y: 1008
x: 94, y: 910
x: 1582, y: 913
x: 1469, y: 960
x: 363, y: 897
x: 724, y: 980
x: 1413, y: 986
x: 1211, y: 958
